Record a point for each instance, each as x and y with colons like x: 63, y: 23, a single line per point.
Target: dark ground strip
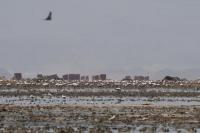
x: 65, y: 118
x: 105, y: 93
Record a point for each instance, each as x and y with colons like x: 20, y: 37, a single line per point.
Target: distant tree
x: 170, y: 78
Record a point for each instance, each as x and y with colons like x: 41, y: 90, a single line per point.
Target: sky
x: 116, y: 37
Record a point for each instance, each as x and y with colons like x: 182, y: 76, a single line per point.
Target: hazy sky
x: 99, y: 36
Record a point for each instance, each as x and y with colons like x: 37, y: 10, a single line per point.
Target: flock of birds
x: 34, y: 100
x: 90, y: 84
x: 39, y: 92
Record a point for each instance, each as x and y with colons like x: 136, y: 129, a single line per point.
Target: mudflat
x: 91, y: 118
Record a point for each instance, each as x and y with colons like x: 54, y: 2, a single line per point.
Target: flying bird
x: 49, y: 17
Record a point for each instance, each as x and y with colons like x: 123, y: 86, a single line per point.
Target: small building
x: 99, y: 77
x: 87, y: 78
x: 83, y: 78
x: 141, y: 78
x: 127, y: 78
x: 66, y: 77
x: 96, y: 77
x: 72, y: 77
x: 49, y: 77
x: 102, y: 76
x: 17, y: 76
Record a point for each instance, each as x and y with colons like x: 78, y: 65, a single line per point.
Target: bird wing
x: 49, y: 16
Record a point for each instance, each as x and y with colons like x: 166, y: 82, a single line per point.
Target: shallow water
x: 127, y: 101
x: 103, y: 89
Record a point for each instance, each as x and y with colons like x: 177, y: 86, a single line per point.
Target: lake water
x: 27, y: 101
